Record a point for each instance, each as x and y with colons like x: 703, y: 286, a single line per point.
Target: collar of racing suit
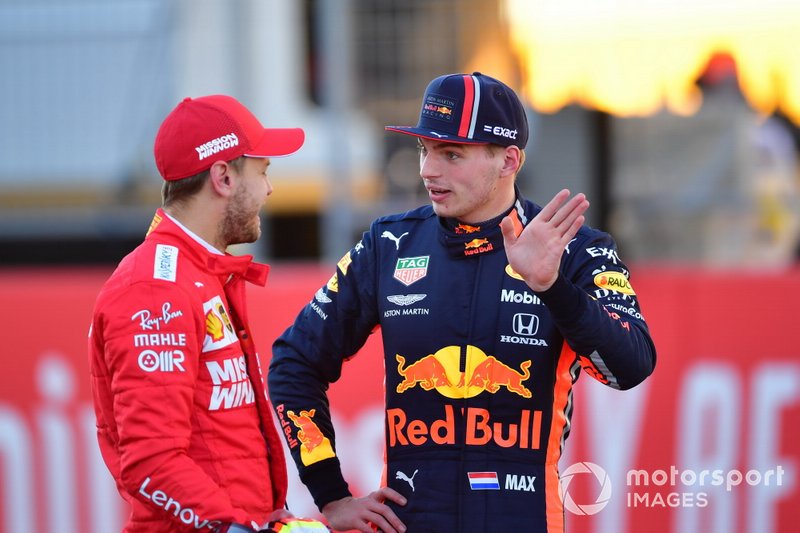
x: 465, y: 240
x: 229, y: 265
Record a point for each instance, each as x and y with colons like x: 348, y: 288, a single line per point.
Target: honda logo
x: 526, y: 324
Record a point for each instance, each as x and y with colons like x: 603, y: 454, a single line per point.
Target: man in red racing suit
x: 183, y: 420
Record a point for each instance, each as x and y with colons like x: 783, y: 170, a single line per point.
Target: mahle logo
x: 604, y: 492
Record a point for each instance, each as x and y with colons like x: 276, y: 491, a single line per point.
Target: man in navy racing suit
x: 489, y: 305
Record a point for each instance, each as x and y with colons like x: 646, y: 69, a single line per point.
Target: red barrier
x: 710, y: 443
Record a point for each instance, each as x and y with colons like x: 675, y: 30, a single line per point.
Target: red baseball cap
x: 201, y: 131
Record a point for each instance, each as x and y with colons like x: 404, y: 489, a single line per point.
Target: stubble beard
x: 240, y: 224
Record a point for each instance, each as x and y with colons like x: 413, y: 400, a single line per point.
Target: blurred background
x: 679, y: 119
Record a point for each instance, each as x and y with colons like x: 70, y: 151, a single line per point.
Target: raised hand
x: 535, y: 254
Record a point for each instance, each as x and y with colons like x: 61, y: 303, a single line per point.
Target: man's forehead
x: 443, y: 145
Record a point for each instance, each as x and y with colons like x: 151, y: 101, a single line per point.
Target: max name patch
x: 438, y: 107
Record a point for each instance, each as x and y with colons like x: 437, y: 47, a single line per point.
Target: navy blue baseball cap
x: 470, y: 109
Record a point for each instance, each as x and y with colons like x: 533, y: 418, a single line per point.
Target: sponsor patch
x: 165, y: 264
x: 154, y: 223
x: 219, y: 330
x: 439, y: 107
x: 216, y: 145
x: 411, y: 269
x: 149, y: 322
x: 333, y: 283
x: 513, y: 273
x: 315, y: 445
x: 161, y: 361
x: 406, y: 299
x: 344, y: 263
x: 614, y: 281
x: 231, y: 384
x: 464, y: 229
x: 483, y: 481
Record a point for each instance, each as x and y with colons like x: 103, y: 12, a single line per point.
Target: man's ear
x: 511, y: 160
x: 220, y: 178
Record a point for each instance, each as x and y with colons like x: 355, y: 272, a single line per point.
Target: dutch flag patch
x: 483, y: 481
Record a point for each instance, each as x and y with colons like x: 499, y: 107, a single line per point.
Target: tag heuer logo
x: 411, y: 269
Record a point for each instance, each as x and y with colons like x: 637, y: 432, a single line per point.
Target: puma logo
x: 389, y: 235
x: 440, y: 136
x: 409, y: 480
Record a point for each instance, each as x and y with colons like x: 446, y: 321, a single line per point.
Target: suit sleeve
x: 152, y: 390
x: 597, y: 311
x: 309, y: 356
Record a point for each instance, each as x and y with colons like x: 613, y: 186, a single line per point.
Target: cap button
x: 476, y: 73
x: 187, y: 99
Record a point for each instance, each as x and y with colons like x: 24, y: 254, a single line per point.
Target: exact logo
x: 602, y: 498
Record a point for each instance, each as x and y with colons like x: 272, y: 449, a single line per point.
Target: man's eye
x: 452, y: 156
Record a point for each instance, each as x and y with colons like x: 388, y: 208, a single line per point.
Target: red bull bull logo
x: 477, y: 246
x: 463, y: 229
x: 440, y: 371
x: 315, y: 445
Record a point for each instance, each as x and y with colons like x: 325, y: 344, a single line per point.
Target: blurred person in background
x: 183, y: 420
x: 489, y: 305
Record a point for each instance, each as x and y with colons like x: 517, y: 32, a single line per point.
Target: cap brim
x: 427, y: 133
x: 278, y: 142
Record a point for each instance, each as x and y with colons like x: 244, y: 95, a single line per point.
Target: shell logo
x: 614, y: 281
x: 513, y: 273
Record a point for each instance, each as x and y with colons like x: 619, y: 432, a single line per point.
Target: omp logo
x: 216, y: 145
x: 186, y: 515
x: 526, y: 324
x: 164, y: 361
x: 231, y: 384
x: 603, y: 496
x: 147, y: 321
x: 524, y: 297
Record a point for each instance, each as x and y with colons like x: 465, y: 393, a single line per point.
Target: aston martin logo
x: 406, y: 299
